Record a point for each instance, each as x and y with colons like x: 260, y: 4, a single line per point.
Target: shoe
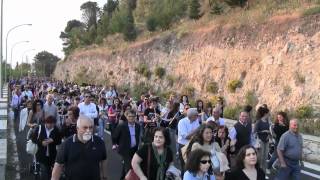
x: 267, y: 177
x: 268, y: 171
x: 275, y: 165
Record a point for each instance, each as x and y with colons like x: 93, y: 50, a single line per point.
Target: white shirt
x: 48, y: 132
x: 27, y: 93
x: 185, y: 127
x: 110, y: 95
x: 220, y: 120
x: 89, y: 110
x: 16, y: 100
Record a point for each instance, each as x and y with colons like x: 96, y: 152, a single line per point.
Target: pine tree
x: 129, y: 30
x: 194, y: 9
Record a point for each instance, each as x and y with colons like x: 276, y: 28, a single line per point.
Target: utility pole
x: 1, y: 55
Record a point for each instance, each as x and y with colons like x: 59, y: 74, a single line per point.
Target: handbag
x: 131, y: 175
x: 32, y: 147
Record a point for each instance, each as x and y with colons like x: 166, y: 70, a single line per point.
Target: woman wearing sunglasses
x: 199, y: 166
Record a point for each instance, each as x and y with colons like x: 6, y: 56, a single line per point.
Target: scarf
x: 161, y: 162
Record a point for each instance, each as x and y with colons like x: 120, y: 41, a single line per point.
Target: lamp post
x: 22, y: 59
x: 5, y: 69
x: 12, y: 52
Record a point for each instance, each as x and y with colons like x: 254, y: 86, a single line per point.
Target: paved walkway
x: 3, y: 131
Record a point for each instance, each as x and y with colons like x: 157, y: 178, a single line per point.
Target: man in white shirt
x: 87, y: 108
x: 216, y: 117
x: 50, y: 109
x: 111, y: 94
x: 186, y: 129
x: 27, y: 93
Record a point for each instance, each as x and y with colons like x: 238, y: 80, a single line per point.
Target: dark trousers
x: 182, y: 163
x: 127, y: 161
x: 46, y: 169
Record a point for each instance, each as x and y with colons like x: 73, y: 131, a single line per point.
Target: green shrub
x: 312, y: 11
x: 251, y: 98
x: 139, y: 88
x: 212, y: 87
x: 233, y: 85
x: 189, y: 91
x: 151, y: 24
x: 141, y: 68
x: 217, y: 8
x: 159, y: 71
x: 310, y: 126
x: 304, y: 111
x: 232, y: 112
x: 194, y: 9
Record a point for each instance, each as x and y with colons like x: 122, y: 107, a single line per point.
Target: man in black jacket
x: 126, y: 139
x: 47, y: 137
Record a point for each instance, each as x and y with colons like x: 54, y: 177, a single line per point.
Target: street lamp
x: 12, y: 52
x: 22, y: 59
x: 5, y: 69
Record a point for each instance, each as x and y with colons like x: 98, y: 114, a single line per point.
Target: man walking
x: 126, y: 140
x: 82, y: 155
x: 290, y: 153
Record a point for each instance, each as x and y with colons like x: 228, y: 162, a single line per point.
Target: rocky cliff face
x: 279, y: 61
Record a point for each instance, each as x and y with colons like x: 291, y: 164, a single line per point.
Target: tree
x: 194, y: 9
x: 72, y: 35
x: 110, y: 7
x: 90, y: 13
x: 45, y: 63
x: 129, y: 30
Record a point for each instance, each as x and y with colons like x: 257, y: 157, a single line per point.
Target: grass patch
x: 287, y: 90
x: 233, y: 85
x: 232, y: 112
x: 212, y: 87
x: 304, y: 111
x: 159, y: 72
x: 189, y: 91
x: 299, y: 78
x: 311, y: 11
x: 251, y: 99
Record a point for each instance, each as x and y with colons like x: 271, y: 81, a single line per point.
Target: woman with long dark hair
x: 151, y: 161
x: 247, y: 166
x: 281, y: 126
x: 199, y: 166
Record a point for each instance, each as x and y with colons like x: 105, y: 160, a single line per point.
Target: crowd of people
x: 67, y: 122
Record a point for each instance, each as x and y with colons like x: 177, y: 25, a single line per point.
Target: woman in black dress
x: 247, y: 167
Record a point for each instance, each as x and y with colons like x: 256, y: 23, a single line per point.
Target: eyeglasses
x: 205, y: 161
x: 87, y: 96
x: 131, y: 116
x: 87, y: 127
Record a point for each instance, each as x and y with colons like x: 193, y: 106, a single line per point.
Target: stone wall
x: 311, y: 145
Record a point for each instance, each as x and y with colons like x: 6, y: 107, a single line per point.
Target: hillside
x: 276, y: 61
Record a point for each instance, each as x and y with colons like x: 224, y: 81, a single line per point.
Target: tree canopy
x: 45, y: 63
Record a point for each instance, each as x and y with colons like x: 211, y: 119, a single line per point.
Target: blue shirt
x: 132, y: 130
x: 190, y: 176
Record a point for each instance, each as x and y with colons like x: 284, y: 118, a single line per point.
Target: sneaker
x: 267, y: 177
x: 268, y: 171
x: 276, y: 164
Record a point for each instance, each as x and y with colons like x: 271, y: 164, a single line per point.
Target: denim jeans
x: 102, y: 123
x: 291, y: 172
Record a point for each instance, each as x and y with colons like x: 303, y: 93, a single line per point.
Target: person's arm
x: 182, y: 131
x: 280, y: 149
x: 135, y: 163
x: 56, y: 171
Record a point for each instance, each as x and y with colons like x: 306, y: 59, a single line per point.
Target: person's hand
x: 143, y: 178
x: 114, y: 147
x: 301, y: 164
x: 283, y: 165
x: 45, y: 143
x: 50, y: 140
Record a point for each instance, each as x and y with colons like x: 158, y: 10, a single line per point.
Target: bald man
x: 290, y: 153
x: 82, y: 154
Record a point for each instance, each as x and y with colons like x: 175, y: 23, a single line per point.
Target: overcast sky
x: 48, y: 19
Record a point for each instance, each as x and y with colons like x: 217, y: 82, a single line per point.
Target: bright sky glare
x: 48, y: 19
